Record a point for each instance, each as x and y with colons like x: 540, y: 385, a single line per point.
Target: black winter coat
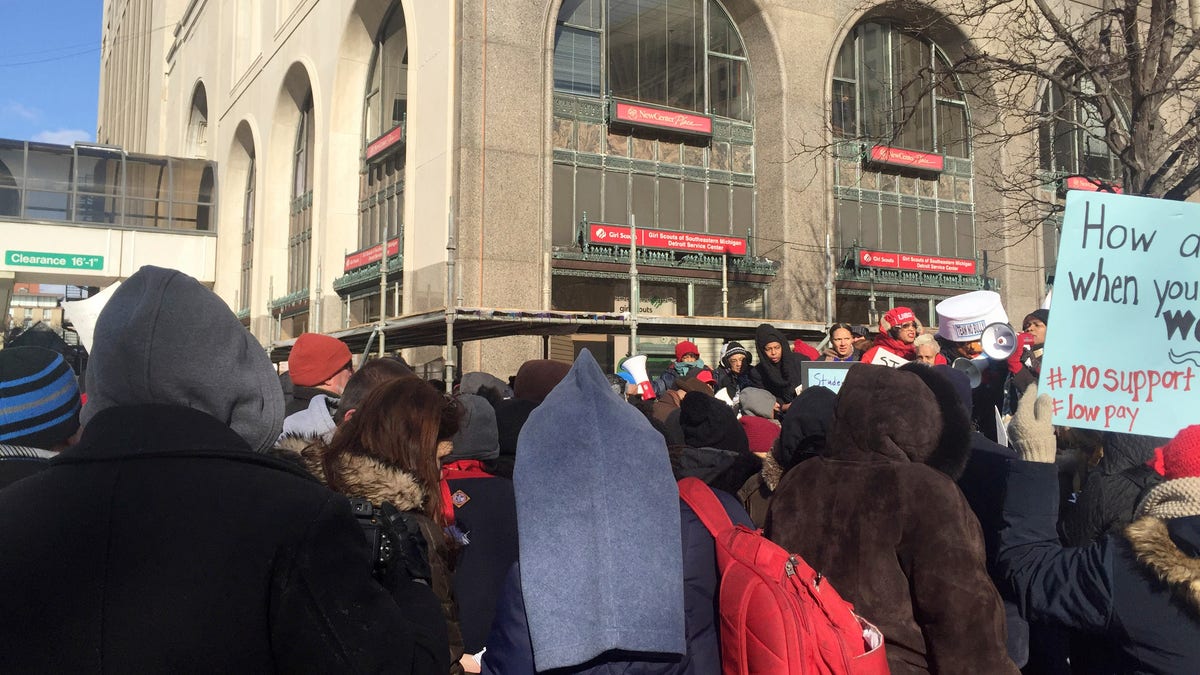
x: 1106, y: 588
x: 161, y: 543
x: 510, y: 652
x: 1111, y: 493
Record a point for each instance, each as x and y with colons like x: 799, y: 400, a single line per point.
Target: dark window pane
x: 743, y: 211
x: 669, y: 209
x: 562, y: 207
x: 583, y: 13
x: 928, y: 230
x: 684, y: 40
x: 587, y: 194
x: 947, y: 235
x: 10, y: 202
x: 623, y: 38
x: 729, y: 88
x: 844, y: 113
x: 848, y: 223
x: 694, y: 204
x: 966, y: 235
x: 718, y: 209
x: 908, y: 229
x: 616, y: 198
x: 576, y: 61
x: 844, y: 67
x: 47, y: 205
x: 890, y: 222
x: 49, y: 168
x: 952, y: 129
x: 870, y: 237
x: 722, y: 36
x: 914, y: 107
x: 874, y: 81
x: 643, y: 200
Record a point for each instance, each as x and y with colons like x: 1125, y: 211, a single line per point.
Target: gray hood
x: 164, y: 338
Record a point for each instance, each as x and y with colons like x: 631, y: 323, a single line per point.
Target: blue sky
x: 49, y: 69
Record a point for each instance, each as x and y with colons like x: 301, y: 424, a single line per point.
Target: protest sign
x: 1123, y: 343
x: 829, y: 374
x: 885, y: 358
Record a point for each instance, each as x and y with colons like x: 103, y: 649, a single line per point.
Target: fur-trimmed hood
x: 1154, y: 548
x: 369, y: 478
x: 908, y: 414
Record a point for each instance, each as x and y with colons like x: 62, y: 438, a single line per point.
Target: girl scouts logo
x: 459, y: 498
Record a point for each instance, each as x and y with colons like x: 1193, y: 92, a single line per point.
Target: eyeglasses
x: 910, y: 324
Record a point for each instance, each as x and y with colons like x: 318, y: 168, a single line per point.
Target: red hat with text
x: 896, y: 316
x: 315, y: 358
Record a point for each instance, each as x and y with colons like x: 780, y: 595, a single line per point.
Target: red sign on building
x: 909, y: 159
x: 385, y: 141
x: 369, y: 255
x: 691, y: 242
x: 659, y: 118
x: 913, y: 262
x: 1089, y: 184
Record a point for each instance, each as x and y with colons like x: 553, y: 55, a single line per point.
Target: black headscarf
x: 782, y: 378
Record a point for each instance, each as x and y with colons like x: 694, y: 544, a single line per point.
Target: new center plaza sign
x: 691, y: 242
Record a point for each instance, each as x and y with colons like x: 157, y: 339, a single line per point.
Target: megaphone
x: 999, y: 341
x: 972, y: 368
x: 636, y: 366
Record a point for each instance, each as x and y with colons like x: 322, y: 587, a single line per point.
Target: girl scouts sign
x: 1123, y: 350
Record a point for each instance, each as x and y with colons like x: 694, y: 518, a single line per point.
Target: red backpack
x: 779, y: 616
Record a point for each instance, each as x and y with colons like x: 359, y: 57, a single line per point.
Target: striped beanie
x: 39, y: 398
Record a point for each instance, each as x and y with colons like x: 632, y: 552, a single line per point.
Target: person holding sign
x: 1137, y: 588
x: 898, y: 330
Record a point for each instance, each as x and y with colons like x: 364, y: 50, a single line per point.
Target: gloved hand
x: 1030, y: 433
x: 1024, y: 343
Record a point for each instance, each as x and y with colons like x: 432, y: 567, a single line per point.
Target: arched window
x: 671, y: 60
x: 300, y: 225
x: 897, y: 89
x: 247, y: 236
x: 903, y: 173
x: 197, y: 132
x: 1071, y: 138
x: 658, y: 53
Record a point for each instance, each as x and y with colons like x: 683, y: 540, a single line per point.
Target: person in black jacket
x: 778, y: 368
x: 1112, y: 490
x: 1136, y: 588
x: 166, y: 541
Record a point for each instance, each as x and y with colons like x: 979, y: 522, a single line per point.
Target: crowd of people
x: 194, y: 510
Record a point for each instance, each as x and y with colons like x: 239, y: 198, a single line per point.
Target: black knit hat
x: 709, y: 423
x: 39, y: 398
x: 805, y: 427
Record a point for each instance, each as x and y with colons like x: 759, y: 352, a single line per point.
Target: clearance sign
x: 691, y: 242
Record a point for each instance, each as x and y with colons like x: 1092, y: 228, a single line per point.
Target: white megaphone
x: 636, y: 366
x: 83, y: 313
x: 999, y: 341
x: 972, y: 368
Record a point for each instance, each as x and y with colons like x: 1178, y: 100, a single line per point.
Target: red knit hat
x: 761, y: 432
x: 895, y: 317
x: 684, y: 348
x: 315, y: 358
x: 804, y: 349
x: 1179, y: 458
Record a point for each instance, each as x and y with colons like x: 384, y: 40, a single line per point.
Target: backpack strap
x: 708, y: 508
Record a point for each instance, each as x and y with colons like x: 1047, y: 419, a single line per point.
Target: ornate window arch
x: 903, y: 170
x: 679, y: 59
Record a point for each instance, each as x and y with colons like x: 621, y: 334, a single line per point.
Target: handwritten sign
x: 829, y: 374
x: 1123, y: 346
x: 885, y: 358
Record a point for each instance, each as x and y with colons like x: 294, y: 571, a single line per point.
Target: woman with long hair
x: 386, y: 451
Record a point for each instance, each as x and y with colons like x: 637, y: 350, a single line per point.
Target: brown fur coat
x: 880, y: 516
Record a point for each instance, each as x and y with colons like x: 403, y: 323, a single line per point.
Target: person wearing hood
x: 615, y: 573
x: 39, y: 410
x: 1035, y: 324
x: 878, y: 513
x: 733, y: 373
x: 801, y: 436
x: 485, y: 511
x: 1136, y: 589
x: 687, y: 363
x: 898, y: 330
x: 166, y: 540
x: 778, y: 368
x: 717, y: 449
